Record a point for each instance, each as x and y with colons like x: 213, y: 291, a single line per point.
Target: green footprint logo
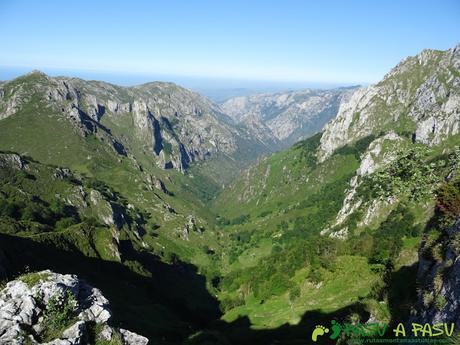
x: 319, y: 331
x: 336, y: 329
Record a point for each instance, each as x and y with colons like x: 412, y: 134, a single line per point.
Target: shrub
x: 59, y: 314
x: 32, y: 212
x: 356, y: 149
x: 264, y: 214
x: 440, y: 302
x: 240, y: 220
x: 91, y: 222
x: 9, y: 209
x: 294, y: 293
x: 64, y: 223
x: 228, y: 303
x: 57, y: 207
x: 448, y: 199
x: 315, y: 275
x: 309, y: 147
x: 428, y: 299
x: 96, y: 185
x: 409, y: 174
x: 387, y: 242
x: 94, y: 335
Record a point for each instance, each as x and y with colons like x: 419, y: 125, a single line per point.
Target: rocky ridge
x: 174, y: 124
x: 418, y: 101
x: 420, y: 97
x: 29, y: 304
x: 286, y: 117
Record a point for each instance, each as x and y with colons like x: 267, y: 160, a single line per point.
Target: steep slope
x: 281, y: 119
x: 73, y: 139
x: 88, y: 194
x: 164, y: 148
x: 356, y: 198
x: 418, y: 98
x: 328, y: 229
x: 437, y: 276
x: 53, y: 218
x: 175, y: 125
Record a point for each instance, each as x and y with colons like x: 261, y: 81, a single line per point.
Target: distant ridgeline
x: 197, y: 233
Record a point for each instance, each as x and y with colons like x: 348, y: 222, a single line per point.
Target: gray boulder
x: 28, y: 306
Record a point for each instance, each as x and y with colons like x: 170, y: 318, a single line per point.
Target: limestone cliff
x: 419, y: 98
x: 172, y: 123
x: 55, y: 309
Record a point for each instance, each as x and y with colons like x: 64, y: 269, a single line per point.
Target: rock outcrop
x: 36, y: 302
x: 154, y: 183
x: 439, y: 279
x: 110, y: 213
x: 190, y: 226
x: 420, y: 97
x: 380, y: 152
x: 286, y: 117
x: 418, y: 101
x: 174, y: 124
x: 11, y: 160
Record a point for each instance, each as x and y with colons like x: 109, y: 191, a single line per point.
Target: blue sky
x: 338, y: 42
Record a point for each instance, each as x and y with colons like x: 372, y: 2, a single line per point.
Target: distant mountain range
x: 175, y: 125
x: 286, y: 117
x: 246, y: 222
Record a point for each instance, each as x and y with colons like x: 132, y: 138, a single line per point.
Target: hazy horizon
x: 204, y: 44
x: 217, y: 89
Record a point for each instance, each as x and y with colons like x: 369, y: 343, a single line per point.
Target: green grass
x: 261, y: 240
x: 351, y: 281
x: 32, y: 279
x: 46, y: 136
x: 251, y: 256
x: 116, y: 340
x: 258, y: 280
x: 60, y: 144
x: 95, y: 331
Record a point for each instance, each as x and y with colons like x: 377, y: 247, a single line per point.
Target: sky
x: 285, y: 41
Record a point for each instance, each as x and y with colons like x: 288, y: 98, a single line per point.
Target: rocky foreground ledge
x: 55, y: 309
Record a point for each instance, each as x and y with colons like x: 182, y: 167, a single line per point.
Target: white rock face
x: 161, y: 117
x: 132, y: 338
x: 285, y: 117
x: 349, y: 203
x: 373, y: 159
x: 421, y: 95
x: 336, y: 132
x: 22, y: 307
x: 141, y: 115
x: 424, y: 90
x: 11, y: 160
x: 373, y: 209
x: 376, y: 157
x: 107, y: 212
x: 342, y: 234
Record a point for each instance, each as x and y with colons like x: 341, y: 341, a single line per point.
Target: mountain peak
x: 419, y: 97
x: 36, y: 72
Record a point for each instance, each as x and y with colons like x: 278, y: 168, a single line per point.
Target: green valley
x: 200, y: 232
